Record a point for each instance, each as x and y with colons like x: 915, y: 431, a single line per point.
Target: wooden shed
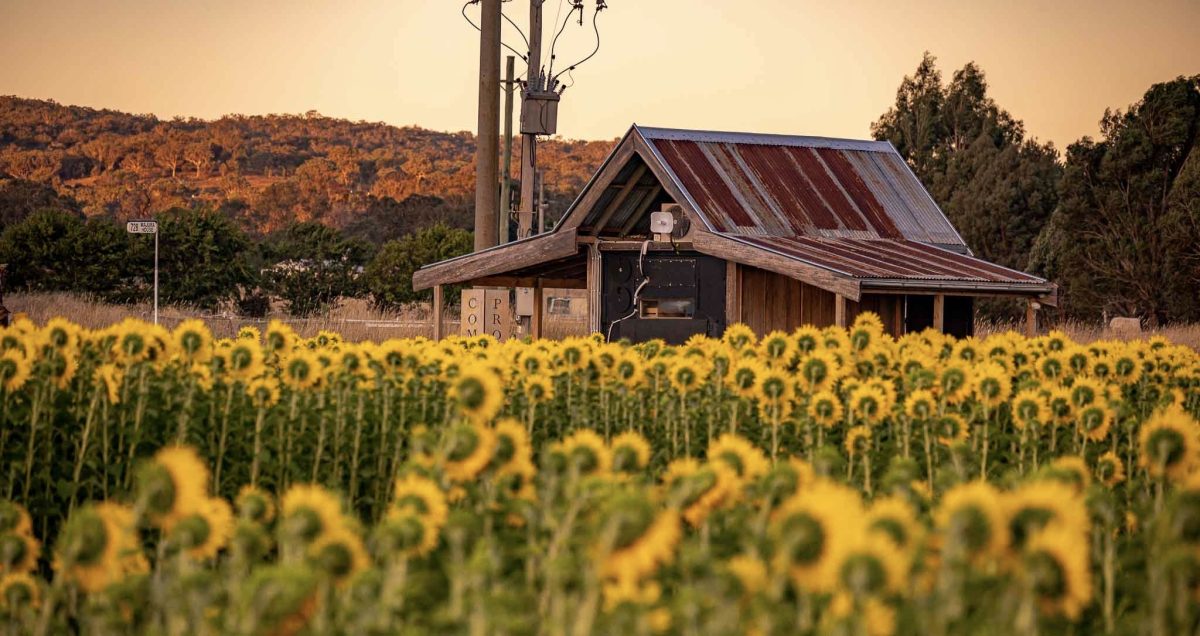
x: 772, y: 231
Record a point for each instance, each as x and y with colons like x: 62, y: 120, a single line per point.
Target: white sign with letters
x: 142, y: 227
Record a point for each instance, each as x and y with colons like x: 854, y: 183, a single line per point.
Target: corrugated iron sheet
x: 890, y: 259
x: 783, y: 186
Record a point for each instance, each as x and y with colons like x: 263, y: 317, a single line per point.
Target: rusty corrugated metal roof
x: 891, y: 259
x: 791, y: 186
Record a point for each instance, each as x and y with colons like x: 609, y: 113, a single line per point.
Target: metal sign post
x: 148, y: 227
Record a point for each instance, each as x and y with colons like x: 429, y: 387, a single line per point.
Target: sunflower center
x: 463, y: 442
x: 1027, y: 521
x: 624, y: 458
x: 893, y: 529
x: 413, y: 502
x: 805, y: 538
x: 192, y: 531
x: 12, y: 550
x: 971, y: 528
x: 863, y: 574
x: 1166, y: 447
x: 471, y: 393
x: 335, y: 558
x: 1046, y: 574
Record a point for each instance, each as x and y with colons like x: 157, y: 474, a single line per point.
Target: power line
x: 515, y: 52
x: 595, y: 27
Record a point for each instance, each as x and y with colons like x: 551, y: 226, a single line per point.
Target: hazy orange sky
x: 821, y: 68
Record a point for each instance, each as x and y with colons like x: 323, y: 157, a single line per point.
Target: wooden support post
x: 1030, y: 318
x: 839, y: 311
x: 535, y: 321
x: 438, y: 301
x: 733, y: 294
x: 593, y: 288
x: 939, y: 312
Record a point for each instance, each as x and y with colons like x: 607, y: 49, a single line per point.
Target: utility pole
x: 487, y: 139
x: 529, y: 142
x: 506, y: 185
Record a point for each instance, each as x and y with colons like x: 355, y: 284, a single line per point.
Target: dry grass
x: 356, y: 320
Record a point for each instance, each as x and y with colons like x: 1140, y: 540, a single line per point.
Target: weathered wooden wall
x: 771, y: 301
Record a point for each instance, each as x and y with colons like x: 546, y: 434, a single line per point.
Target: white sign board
x: 142, y: 227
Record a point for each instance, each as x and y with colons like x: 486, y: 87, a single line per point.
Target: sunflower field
x: 824, y: 481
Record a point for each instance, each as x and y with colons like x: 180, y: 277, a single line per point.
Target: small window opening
x: 668, y: 308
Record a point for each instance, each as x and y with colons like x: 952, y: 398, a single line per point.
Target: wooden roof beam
x: 498, y: 260
x: 732, y: 250
x: 642, y: 207
x: 618, y: 200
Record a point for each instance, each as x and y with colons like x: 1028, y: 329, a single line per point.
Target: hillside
x: 264, y: 170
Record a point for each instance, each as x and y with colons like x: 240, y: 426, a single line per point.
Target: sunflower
x: 263, y: 391
x: 637, y: 540
x: 630, y: 452
x: 818, y: 370
x: 245, y: 359
x: 539, y: 388
x: 699, y: 489
x: 858, y: 441
x: 991, y: 384
x: 1055, y: 566
x: 206, y: 532
x: 1038, y: 504
x: 865, y: 331
x: 421, y: 497
x: 951, y: 429
x: 688, y: 373
x: 746, y: 460
x: 738, y: 336
x: 301, y: 370
x: 1029, y: 407
x: 920, y: 405
x: 894, y: 519
x: 1058, y: 403
x: 1086, y: 391
x: 1168, y: 443
x: 1110, y: 469
x: 972, y: 522
x: 255, y: 504
x: 279, y: 337
x: 629, y: 370
x: 744, y: 377
x: 15, y: 518
x: 1095, y: 420
x: 512, y: 446
x: 18, y: 552
x: 192, y: 341
x: 953, y: 381
x: 468, y: 451
x: 309, y: 512
x: 776, y: 349
x: 406, y: 532
x: 870, y: 565
x: 97, y: 545
x: 19, y: 589
x: 14, y: 370
x: 173, y: 485
x: 812, y: 529
x: 1073, y: 470
x: 478, y: 393
x: 825, y: 409
x: 340, y: 554
x: 774, y: 386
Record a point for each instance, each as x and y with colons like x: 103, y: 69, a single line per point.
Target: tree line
x: 1115, y: 221
x: 207, y: 262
